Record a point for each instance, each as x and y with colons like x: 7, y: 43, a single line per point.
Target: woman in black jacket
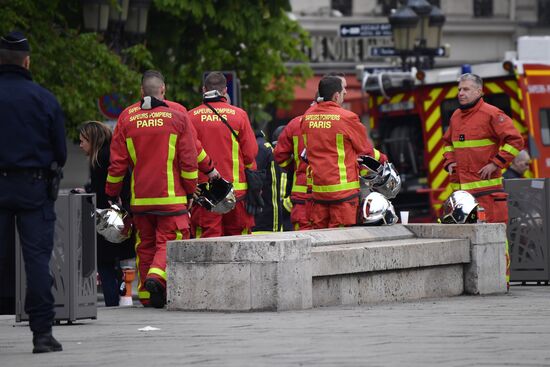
x: 95, y: 140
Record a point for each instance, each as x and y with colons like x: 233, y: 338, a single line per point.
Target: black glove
x: 254, y: 201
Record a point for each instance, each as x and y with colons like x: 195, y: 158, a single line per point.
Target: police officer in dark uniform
x: 31, y: 142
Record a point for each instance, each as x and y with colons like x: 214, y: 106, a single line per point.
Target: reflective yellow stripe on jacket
x: 344, y: 184
x: 295, y: 186
x: 171, y: 198
x: 114, y: 179
x: 481, y: 184
x: 237, y: 185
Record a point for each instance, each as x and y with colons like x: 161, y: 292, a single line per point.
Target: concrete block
x: 486, y: 273
x: 388, y: 255
x: 294, y: 285
x: 239, y: 274
x: 263, y: 287
x: 341, y: 236
x: 388, y: 286
x: 209, y: 287
x: 239, y: 248
x: 476, y: 233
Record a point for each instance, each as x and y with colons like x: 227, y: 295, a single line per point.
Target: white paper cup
x: 125, y: 301
x: 404, y: 217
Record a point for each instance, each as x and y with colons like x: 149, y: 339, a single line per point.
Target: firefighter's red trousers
x: 335, y: 215
x: 208, y: 224
x: 496, y: 210
x: 152, y: 233
x: 300, y: 215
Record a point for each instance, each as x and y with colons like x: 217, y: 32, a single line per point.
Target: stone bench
x: 359, y: 265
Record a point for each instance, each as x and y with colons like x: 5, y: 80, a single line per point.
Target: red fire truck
x: 409, y: 112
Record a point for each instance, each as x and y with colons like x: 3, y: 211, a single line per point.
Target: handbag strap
x: 223, y: 120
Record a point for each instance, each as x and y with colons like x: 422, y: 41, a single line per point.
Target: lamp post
x: 130, y: 17
x: 96, y: 15
x: 417, y: 30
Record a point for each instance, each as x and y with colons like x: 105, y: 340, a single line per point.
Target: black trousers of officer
x: 24, y: 195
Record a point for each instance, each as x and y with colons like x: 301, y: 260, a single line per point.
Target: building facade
x: 476, y: 30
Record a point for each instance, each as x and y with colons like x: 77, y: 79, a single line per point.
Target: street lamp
x: 96, y: 15
x: 404, y: 23
x: 417, y: 28
x: 137, y: 17
x: 435, y: 28
x: 119, y: 14
x: 129, y: 16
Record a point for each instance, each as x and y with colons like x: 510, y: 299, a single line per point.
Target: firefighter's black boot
x: 45, y: 343
x: 157, y: 292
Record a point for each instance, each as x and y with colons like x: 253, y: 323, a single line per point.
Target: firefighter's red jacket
x: 158, y: 146
x: 476, y: 137
x: 334, y: 137
x: 230, y: 155
x: 203, y: 159
x: 287, y: 154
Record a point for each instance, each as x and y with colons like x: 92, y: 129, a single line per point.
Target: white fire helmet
x: 216, y: 196
x: 113, y: 223
x: 459, y: 208
x: 377, y: 210
x: 382, y: 178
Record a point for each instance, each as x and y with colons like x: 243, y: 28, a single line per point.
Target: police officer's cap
x: 15, y: 41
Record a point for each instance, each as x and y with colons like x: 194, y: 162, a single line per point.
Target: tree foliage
x: 254, y: 38
x: 185, y: 38
x: 77, y: 67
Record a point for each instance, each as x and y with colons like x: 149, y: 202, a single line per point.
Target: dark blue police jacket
x: 32, y: 126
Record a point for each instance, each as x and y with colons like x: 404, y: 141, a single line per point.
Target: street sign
x: 366, y: 30
x: 382, y: 51
x: 111, y: 105
x: 390, y: 51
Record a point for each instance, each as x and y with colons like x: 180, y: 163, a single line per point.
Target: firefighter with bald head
x: 156, y: 143
x: 481, y: 141
x: 334, y: 137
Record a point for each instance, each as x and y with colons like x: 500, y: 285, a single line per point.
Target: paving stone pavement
x: 502, y: 330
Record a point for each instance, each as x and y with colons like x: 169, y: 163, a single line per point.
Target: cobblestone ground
x: 504, y: 330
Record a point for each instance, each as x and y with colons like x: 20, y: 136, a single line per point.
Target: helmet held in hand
x: 381, y: 178
x: 216, y: 196
x: 114, y: 224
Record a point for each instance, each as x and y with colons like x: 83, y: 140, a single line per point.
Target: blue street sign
x: 366, y: 30
x: 382, y: 51
x: 390, y: 51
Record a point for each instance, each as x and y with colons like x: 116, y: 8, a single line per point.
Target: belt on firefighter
x: 297, y: 201
x: 162, y: 214
x: 39, y: 173
x: 488, y: 192
x: 347, y: 198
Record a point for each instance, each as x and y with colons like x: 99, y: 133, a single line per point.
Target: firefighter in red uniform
x: 481, y: 140
x: 233, y: 148
x: 287, y: 154
x: 157, y: 144
x: 206, y: 165
x: 334, y: 137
